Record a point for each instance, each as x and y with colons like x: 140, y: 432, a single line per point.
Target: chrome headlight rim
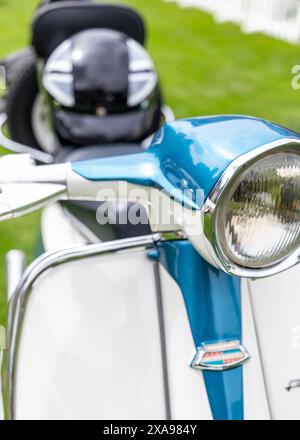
x: 210, y: 210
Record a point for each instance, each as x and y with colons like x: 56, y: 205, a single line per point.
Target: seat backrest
x: 54, y: 23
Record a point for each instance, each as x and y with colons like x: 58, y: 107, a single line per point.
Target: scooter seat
x: 86, y: 215
x: 56, y: 22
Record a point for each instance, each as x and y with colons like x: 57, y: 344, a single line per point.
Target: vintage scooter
x: 197, y: 320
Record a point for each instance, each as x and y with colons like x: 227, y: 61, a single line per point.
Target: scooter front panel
x: 90, y: 345
x: 276, y: 313
x: 188, y: 395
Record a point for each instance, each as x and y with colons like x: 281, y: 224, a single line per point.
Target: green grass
x: 20, y: 233
x: 205, y: 68
x: 208, y: 68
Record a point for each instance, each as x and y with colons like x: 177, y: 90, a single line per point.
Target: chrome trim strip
x: 161, y: 319
x: 208, y: 212
x: 16, y: 147
x: 32, y: 273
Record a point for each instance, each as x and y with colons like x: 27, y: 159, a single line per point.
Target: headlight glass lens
x: 258, y: 220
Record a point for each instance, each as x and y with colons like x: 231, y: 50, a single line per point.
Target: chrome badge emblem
x: 220, y: 356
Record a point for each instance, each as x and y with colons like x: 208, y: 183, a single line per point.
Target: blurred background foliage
x: 205, y: 68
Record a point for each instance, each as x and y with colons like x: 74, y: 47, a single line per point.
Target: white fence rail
x: 278, y: 18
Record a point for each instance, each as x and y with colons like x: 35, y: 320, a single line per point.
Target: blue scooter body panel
x: 187, y: 155
x: 213, y: 304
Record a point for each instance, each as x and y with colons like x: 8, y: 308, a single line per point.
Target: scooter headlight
x: 256, y: 218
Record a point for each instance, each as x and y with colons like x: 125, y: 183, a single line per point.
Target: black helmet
x: 104, y: 89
